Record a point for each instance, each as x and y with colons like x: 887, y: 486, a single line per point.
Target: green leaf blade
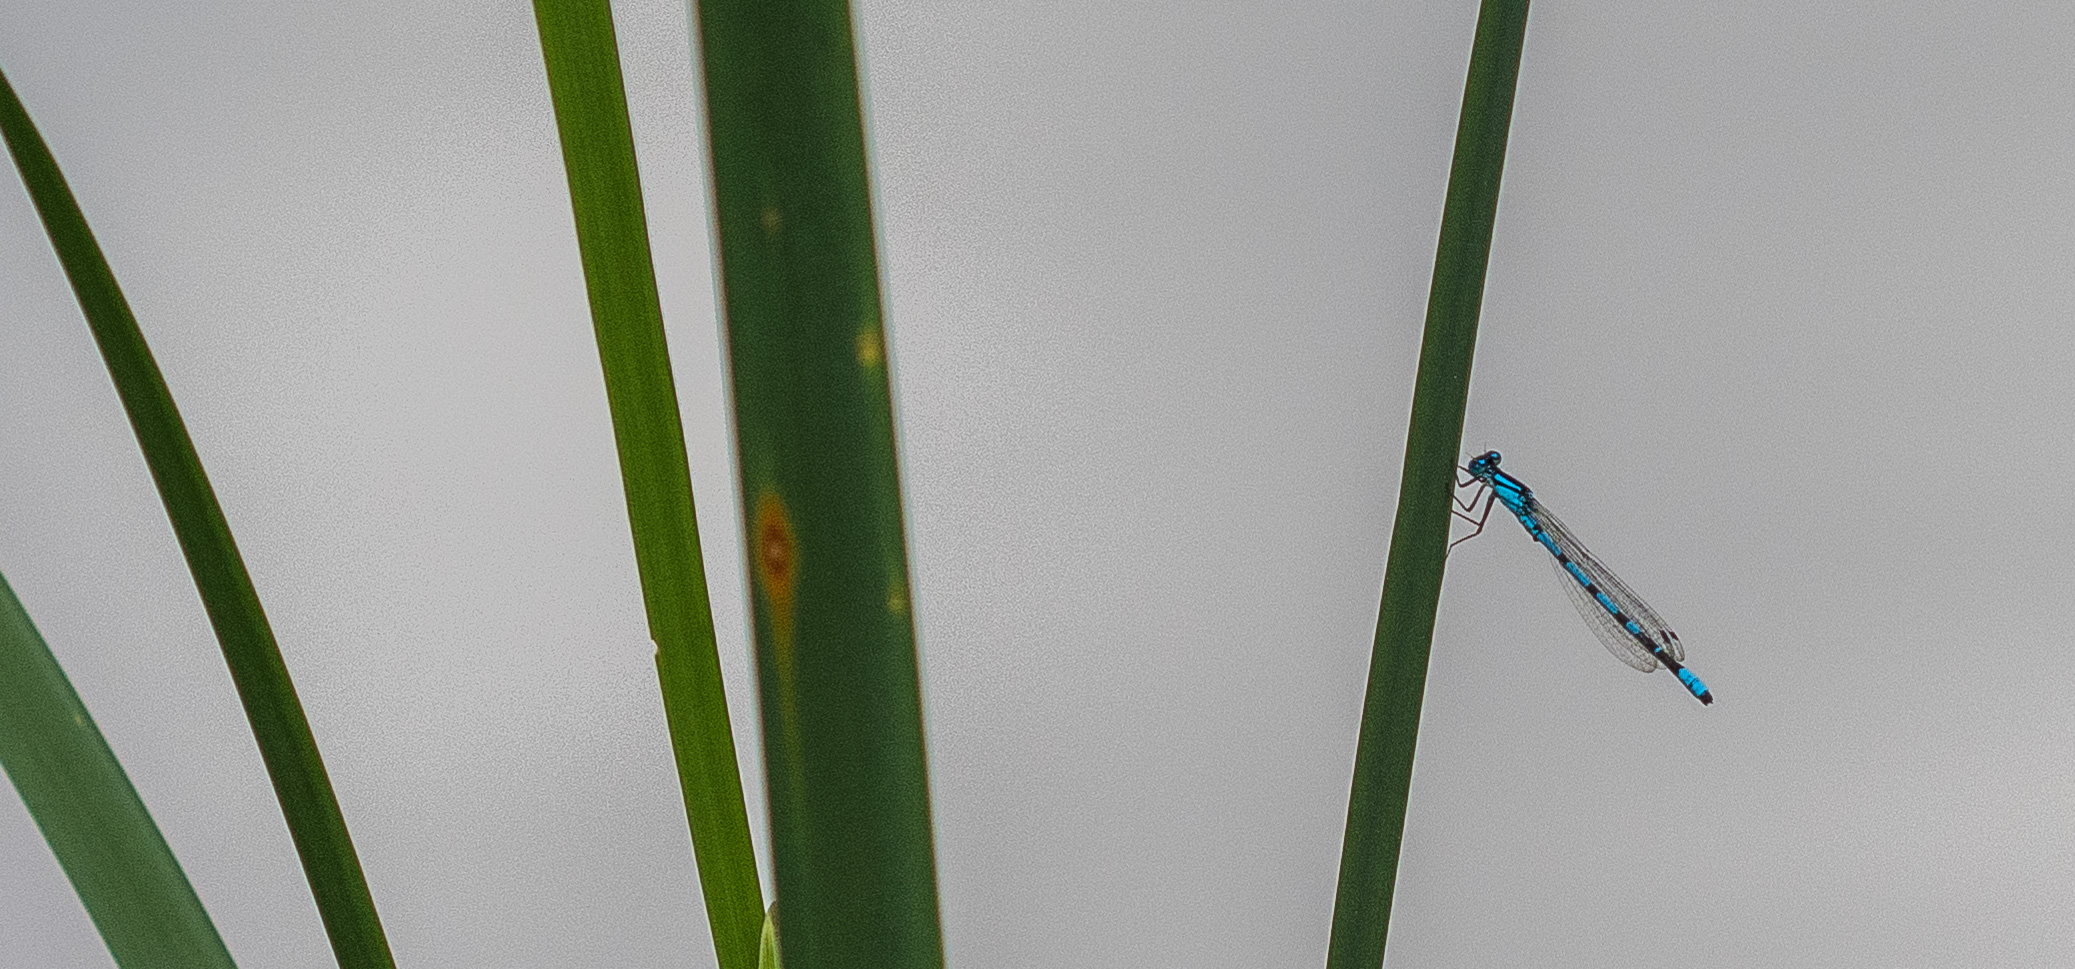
x: 285, y: 742
x: 584, y: 80
x: 767, y: 944
x: 1419, y: 538
x: 104, y: 839
x: 835, y: 638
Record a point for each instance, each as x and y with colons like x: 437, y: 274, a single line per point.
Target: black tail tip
x: 1707, y: 699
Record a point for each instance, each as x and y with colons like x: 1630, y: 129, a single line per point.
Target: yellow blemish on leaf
x: 870, y: 351
x: 897, y: 598
x: 772, y: 220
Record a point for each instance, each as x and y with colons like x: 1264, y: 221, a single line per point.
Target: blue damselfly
x: 1624, y: 623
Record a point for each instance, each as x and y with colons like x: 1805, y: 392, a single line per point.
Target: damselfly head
x: 1484, y: 464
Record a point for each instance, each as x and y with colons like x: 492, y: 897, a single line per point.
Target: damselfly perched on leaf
x: 1624, y: 623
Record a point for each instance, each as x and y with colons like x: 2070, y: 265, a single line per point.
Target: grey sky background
x: 1778, y: 318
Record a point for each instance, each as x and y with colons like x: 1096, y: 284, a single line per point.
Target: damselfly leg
x: 1463, y: 508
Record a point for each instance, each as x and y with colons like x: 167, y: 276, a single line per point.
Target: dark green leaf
x: 835, y: 641
x: 1419, y: 539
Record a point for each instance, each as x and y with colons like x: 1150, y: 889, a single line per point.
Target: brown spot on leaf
x: 777, y: 554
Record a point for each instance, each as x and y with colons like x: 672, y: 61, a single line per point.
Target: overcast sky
x: 1779, y: 319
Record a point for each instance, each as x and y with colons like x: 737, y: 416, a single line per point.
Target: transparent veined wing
x: 1610, y: 632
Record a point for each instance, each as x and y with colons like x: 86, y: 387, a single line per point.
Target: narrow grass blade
x: 285, y: 743
x: 850, y: 823
x: 96, y: 824
x: 583, y: 67
x: 767, y: 945
x: 1419, y: 539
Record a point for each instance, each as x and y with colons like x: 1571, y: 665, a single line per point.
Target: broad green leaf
x: 820, y: 485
